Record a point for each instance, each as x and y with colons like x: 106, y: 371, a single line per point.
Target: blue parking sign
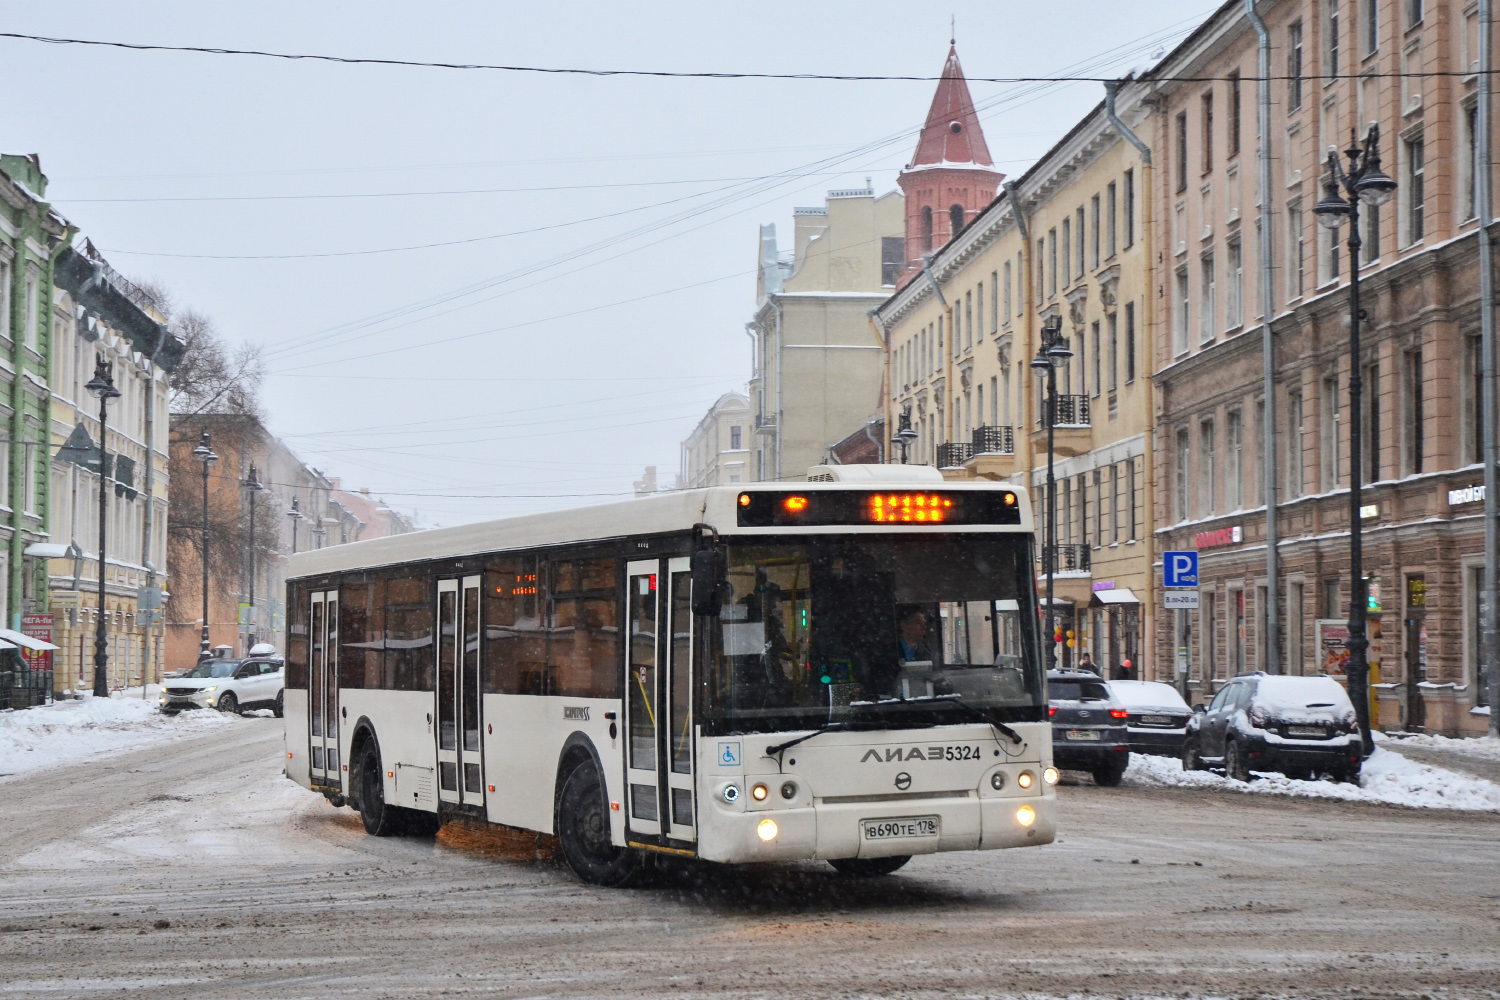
x: 1179, y: 569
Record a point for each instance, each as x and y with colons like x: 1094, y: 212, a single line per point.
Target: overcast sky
x: 599, y: 305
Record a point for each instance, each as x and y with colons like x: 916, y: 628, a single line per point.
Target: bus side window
x: 362, y: 634
x: 515, y: 644
x: 408, y: 618
x: 296, y: 638
x: 584, y: 653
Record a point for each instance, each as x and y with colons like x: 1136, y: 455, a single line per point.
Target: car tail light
x: 1257, y: 718
x: 1051, y: 711
x: 1118, y: 713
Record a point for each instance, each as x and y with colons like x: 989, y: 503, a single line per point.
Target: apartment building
x: 718, y: 451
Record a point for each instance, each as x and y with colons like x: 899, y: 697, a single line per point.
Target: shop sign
x: 1105, y: 585
x: 38, y: 626
x: 1331, y: 642
x: 1223, y: 536
x: 1469, y: 494
x: 1369, y: 510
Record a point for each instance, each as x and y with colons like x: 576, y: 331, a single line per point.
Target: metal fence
x: 994, y: 441
x: 1072, y: 411
x: 25, y: 688
x: 1065, y: 558
x: 954, y: 454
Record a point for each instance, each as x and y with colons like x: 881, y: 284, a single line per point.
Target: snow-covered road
x: 190, y: 868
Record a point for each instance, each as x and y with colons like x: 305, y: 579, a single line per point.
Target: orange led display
x: 909, y: 508
x: 795, y: 504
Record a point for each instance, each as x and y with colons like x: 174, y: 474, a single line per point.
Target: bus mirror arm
x: 708, y: 580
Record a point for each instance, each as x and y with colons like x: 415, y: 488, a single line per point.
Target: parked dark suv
x: 1088, y: 726
x: 1301, y: 726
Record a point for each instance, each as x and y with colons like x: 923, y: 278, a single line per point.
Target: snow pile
x: 1477, y: 747
x: 67, y: 731
x: 1387, y: 777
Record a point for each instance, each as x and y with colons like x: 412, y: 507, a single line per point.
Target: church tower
x: 951, y: 177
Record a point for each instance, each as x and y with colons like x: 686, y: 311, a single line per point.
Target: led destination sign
x: 907, y: 507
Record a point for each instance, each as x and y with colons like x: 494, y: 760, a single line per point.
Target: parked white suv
x: 230, y: 685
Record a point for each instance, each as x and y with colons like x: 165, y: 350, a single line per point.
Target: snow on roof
x: 1286, y: 697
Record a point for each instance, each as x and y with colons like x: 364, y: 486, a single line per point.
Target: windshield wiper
x: 773, y: 751
x: 984, y: 716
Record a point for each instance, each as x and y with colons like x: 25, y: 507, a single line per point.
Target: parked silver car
x: 230, y: 685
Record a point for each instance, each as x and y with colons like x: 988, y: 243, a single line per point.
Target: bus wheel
x: 380, y: 820
x: 865, y: 867
x: 583, y: 832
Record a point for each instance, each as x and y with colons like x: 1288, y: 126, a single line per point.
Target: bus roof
x: 661, y: 513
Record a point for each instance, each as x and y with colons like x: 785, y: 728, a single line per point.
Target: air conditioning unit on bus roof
x: 873, y: 474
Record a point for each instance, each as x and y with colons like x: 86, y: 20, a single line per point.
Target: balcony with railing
x: 994, y: 440
x: 1072, y: 434
x: 954, y: 454
x: 1068, y: 558
x: 994, y: 452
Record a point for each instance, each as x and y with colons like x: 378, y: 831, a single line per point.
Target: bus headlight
x: 1049, y: 775
x: 759, y: 793
x: 1026, y: 815
x: 767, y: 829
x: 1026, y: 779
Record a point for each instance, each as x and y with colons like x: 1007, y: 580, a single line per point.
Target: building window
x: 1234, y: 460
x: 1470, y: 161
x: 1110, y: 234
x: 1331, y: 39
x: 1208, y: 473
x: 1473, y: 444
x: 1295, y: 250
x: 1328, y: 434
x: 1180, y: 324
x: 1207, y: 121
x: 1182, y: 151
x: 1130, y: 488
x: 1129, y: 342
x: 1129, y: 209
x: 1371, y: 26
x: 1052, y: 262
x: 1473, y: 602
x: 1370, y: 425
x: 1067, y: 249
x: 892, y: 259
x: 1413, y: 189
x: 1296, y: 629
x: 968, y: 321
x: 1079, y: 216
x: 1294, y: 66
x: 1258, y: 471
x: 1416, y: 427
x: 995, y: 299
x: 955, y: 220
x: 1208, y: 288
x: 30, y: 316
x: 1413, y: 13
x: 1007, y: 293
x: 1234, y: 282
x: 1181, y: 472
x: 1114, y: 351
x: 736, y: 441
x: 927, y: 228
x: 1094, y: 346
x: 1369, y: 219
x: 1294, y: 485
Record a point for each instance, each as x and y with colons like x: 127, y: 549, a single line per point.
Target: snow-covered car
x: 1301, y: 726
x: 230, y: 685
x: 1088, y: 726
x: 1158, y: 716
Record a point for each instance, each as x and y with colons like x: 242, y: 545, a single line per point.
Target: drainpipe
x: 882, y: 335
x: 780, y: 353
x: 1147, y: 650
x: 150, y: 486
x: 1490, y: 652
x: 1028, y: 311
x: 947, y: 351
x: 1267, y: 350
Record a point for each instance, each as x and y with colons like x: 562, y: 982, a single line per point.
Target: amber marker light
x: 744, y: 499
x: 1026, y: 815
x: 1026, y: 779
x: 1009, y: 499
x: 759, y: 793
x: 795, y: 504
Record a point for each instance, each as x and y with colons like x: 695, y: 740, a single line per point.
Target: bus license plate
x: 1083, y: 734
x: 904, y: 826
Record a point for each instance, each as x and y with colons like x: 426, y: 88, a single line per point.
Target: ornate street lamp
x: 1050, y: 355
x: 1365, y: 182
x: 904, y: 435
x: 205, y: 454
x: 296, y: 515
x: 252, y: 483
x: 102, y: 387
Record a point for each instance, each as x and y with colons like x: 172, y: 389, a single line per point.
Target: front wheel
x: 867, y: 867
x: 229, y: 704
x: 279, y: 708
x: 1236, y: 767
x: 583, y: 832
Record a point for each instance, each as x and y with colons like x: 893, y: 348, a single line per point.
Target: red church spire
x: 952, y: 133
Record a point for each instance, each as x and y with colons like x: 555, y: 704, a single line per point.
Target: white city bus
x: 845, y: 670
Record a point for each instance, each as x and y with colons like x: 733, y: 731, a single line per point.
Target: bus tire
x: 867, y: 867
x: 379, y: 818
x: 583, y: 832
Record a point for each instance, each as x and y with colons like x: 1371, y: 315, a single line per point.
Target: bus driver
x: 913, y: 629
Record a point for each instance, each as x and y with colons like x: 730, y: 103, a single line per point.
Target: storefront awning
x: 48, y: 550
x: 13, y: 638
x: 1105, y: 598
x: 1062, y: 601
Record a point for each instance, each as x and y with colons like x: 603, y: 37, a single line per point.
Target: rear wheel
x: 280, y: 705
x: 583, y: 832
x: 1236, y: 767
x: 1109, y: 775
x: 380, y: 819
x: 867, y: 867
x: 229, y: 704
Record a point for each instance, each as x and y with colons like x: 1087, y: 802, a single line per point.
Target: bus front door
x: 658, y: 699
x: 323, y: 693
x: 460, y: 766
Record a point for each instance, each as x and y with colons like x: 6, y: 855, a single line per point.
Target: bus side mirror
x: 707, y: 597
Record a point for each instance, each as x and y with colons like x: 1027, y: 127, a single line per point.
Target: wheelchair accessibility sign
x: 729, y: 754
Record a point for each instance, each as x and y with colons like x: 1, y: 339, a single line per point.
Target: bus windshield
x: 875, y: 631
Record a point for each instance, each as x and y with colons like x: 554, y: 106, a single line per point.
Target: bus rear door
x: 460, y: 762
x: 323, y: 689
x: 658, y: 699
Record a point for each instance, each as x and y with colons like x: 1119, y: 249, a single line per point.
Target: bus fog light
x: 1050, y: 775
x: 731, y: 793
x: 1026, y: 779
x: 1026, y: 815
x: 759, y: 793
x: 789, y: 789
x: 997, y: 780
x: 767, y: 829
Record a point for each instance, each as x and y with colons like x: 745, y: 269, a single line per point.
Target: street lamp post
x: 205, y: 454
x: 253, y: 484
x: 296, y: 515
x: 1365, y: 182
x: 102, y: 387
x: 1049, y: 355
x: 904, y: 435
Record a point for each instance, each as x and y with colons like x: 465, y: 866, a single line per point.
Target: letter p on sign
x: 1180, y: 569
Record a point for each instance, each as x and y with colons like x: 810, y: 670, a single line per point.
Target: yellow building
x: 1065, y: 245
